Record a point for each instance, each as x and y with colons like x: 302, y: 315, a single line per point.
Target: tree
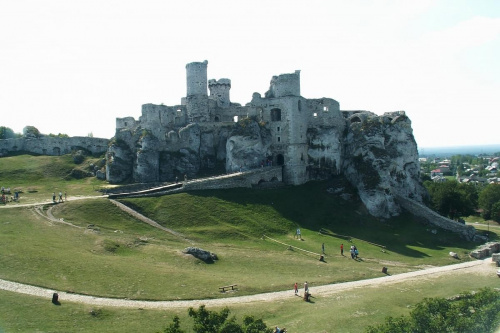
x: 452, y: 199
x: 6, y: 133
x: 206, y: 321
x: 489, y: 202
x: 174, y: 327
x: 31, y: 132
x: 479, y: 312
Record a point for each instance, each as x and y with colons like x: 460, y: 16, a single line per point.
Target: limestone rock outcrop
x: 311, y: 139
x: 382, y: 161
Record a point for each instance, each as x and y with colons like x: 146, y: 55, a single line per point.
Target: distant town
x: 479, y: 168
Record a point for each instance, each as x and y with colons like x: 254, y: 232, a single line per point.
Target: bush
x: 206, y: 321
x: 479, y: 312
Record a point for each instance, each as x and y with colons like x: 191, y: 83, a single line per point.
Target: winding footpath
x: 479, y: 267
x: 471, y: 267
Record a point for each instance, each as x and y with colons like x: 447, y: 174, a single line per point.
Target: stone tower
x: 196, y: 94
x: 219, y: 91
x: 285, y: 85
x: 286, y: 88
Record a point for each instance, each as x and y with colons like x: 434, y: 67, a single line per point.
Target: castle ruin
x: 310, y: 138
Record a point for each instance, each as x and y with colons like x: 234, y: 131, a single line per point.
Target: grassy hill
x: 102, y: 251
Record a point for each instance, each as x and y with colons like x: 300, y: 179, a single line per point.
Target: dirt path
x: 147, y: 220
x: 472, y: 267
x: 50, y: 202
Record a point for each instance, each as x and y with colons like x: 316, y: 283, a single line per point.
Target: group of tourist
x: 5, y: 195
x: 60, y: 197
x: 354, y: 252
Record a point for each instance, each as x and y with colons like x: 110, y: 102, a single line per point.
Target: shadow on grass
x: 309, y: 206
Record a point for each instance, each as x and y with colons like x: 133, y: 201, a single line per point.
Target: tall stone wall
x: 433, y: 218
x: 53, y: 145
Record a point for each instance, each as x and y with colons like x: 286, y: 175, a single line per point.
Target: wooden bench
x: 223, y: 289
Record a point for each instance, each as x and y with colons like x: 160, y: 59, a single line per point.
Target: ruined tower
x: 293, y: 132
x: 219, y: 91
x: 196, y: 94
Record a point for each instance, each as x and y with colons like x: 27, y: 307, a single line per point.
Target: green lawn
x: 106, y: 252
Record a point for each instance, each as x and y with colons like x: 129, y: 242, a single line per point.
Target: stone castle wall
x: 433, y: 218
x: 53, y: 145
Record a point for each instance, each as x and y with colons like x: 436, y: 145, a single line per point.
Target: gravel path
x: 479, y: 267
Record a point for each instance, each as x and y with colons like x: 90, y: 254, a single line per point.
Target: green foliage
x: 31, y: 132
x: 60, y: 135
x: 452, y: 199
x: 489, y: 201
x: 206, y: 321
x: 6, y: 133
x: 479, y: 312
x: 174, y: 327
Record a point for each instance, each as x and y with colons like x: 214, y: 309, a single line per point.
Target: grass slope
x: 119, y: 256
x: 36, y: 177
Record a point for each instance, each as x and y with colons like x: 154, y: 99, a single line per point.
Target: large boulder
x: 201, y: 254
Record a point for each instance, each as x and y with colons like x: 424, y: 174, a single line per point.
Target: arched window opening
x: 216, y: 119
x: 276, y: 115
x: 355, y: 120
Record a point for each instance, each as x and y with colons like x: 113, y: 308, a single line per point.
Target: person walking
x: 296, y: 288
x: 342, y: 249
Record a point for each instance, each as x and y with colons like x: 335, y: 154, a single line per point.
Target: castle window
x: 126, y: 124
x: 276, y: 115
x: 279, y: 139
x: 325, y: 108
x: 277, y: 129
x: 315, y: 115
x: 216, y: 119
x: 235, y: 118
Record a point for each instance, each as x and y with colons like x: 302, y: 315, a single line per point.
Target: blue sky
x: 74, y: 66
